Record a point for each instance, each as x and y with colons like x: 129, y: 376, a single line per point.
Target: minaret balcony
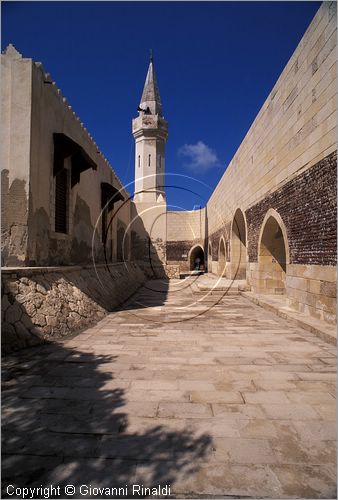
x: 149, y: 124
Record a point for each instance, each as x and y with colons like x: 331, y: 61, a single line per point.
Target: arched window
x: 139, y: 161
x: 149, y: 156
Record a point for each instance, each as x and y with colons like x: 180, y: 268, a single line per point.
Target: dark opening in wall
x: 104, y: 225
x: 61, y: 201
x: 197, y: 259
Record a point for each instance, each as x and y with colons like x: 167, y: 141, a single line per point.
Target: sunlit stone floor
x: 211, y: 399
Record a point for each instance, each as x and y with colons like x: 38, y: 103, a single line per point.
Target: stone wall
x: 308, y: 207
x: 49, y: 303
x: 312, y: 290
x: 185, y: 230
x: 186, y: 225
x: 294, y: 130
x: 33, y: 109
x: 16, y: 93
x: 286, y: 165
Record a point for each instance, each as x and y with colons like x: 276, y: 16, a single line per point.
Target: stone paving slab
x: 233, y: 402
x: 278, y: 304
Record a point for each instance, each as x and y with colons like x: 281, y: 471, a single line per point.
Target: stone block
x: 296, y: 282
x: 266, y: 397
x: 305, y: 481
x: 314, y: 286
x: 184, y: 410
x: 328, y: 289
x: 323, y: 273
x: 327, y: 304
x: 243, y: 451
x: 292, y: 410
x: 215, y: 397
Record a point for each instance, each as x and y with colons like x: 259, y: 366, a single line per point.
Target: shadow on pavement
x: 65, y: 421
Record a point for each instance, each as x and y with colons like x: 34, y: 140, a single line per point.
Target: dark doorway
x: 197, y: 259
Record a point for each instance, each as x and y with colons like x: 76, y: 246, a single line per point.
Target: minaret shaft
x: 150, y: 131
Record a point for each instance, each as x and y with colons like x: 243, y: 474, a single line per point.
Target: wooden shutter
x: 61, y: 201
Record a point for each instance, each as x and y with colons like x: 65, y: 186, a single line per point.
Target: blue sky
x: 215, y: 62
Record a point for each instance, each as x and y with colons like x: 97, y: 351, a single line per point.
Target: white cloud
x: 200, y: 157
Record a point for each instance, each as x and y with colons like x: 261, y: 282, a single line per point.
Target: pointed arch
x: 121, y: 242
x: 273, y: 213
x: 221, y: 256
x: 196, y: 252
x: 209, y: 257
x: 238, y: 250
x: 273, y: 254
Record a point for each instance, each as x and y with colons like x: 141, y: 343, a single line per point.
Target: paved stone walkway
x: 214, y: 400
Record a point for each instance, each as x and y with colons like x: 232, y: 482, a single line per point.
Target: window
x: 61, y: 201
x: 70, y: 160
x: 139, y: 161
x: 149, y: 156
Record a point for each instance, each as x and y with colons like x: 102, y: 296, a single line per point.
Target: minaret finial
x: 151, y: 95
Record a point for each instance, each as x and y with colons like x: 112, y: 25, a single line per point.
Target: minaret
x: 150, y: 131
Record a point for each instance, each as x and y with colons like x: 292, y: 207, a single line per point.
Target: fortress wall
x: 47, y: 304
x: 287, y: 163
x: 16, y: 74
x: 40, y: 110
x: 214, y: 242
x: 294, y: 129
x: 185, y: 229
x: 51, y: 113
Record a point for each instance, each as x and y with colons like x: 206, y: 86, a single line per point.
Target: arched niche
x: 221, y: 258
x: 210, y: 257
x: 121, y: 243
x: 238, y: 246
x: 195, y: 253
x: 273, y: 255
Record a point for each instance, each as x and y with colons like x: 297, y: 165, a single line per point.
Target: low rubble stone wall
x: 49, y: 303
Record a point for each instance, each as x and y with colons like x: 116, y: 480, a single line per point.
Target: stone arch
x: 273, y: 255
x: 121, y: 242
x: 210, y: 257
x: 196, y: 252
x: 238, y: 251
x: 227, y: 251
x: 221, y: 257
x: 273, y: 213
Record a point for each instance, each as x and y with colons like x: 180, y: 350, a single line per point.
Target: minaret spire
x: 151, y: 95
x: 150, y: 131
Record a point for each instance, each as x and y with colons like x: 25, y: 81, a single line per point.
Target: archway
x: 238, y: 246
x: 121, y: 244
x: 221, y: 258
x: 197, y: 259
x: 272, y: 258
x: 209, y: 257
